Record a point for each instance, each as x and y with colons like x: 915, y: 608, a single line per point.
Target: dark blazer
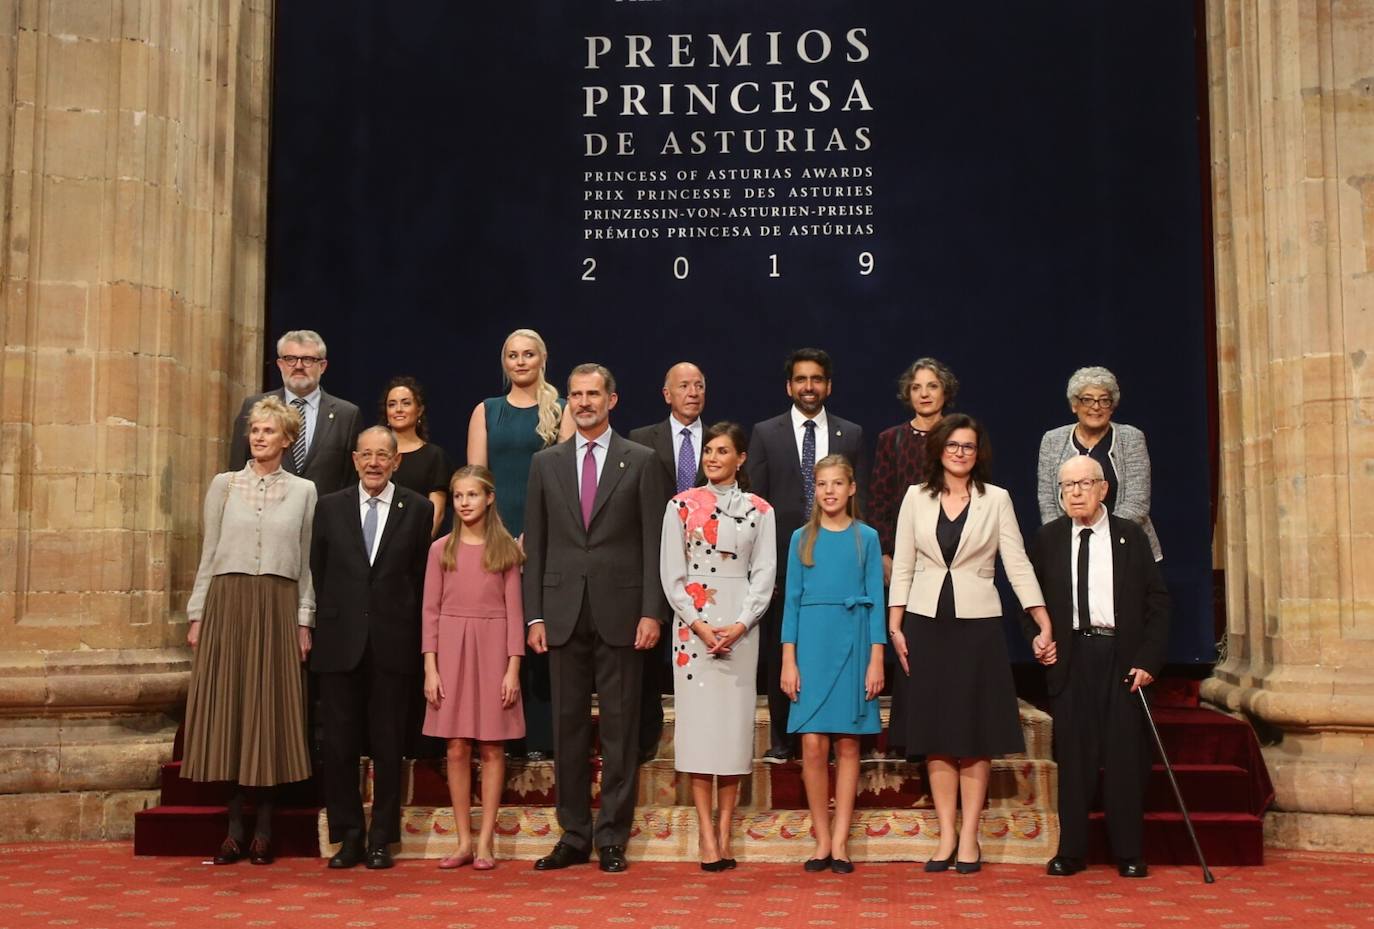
x: 329, y: 462
x: 774, y: 469
x: 1140, y: 599
x: 659, y: 437
x: 357, y: 603
x: 615, y: 560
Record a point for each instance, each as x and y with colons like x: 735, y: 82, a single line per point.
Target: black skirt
x: 960, y: 699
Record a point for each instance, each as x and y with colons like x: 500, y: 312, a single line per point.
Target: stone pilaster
x: 1292, y: 112
x: 133, y: 166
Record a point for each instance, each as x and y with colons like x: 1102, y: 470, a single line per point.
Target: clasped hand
x: 718, y: 639
x: 1045, y: 650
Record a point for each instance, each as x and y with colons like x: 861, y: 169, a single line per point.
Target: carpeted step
x: 199, y: 830
x: 1226, y: 839
x: 1207, y: 788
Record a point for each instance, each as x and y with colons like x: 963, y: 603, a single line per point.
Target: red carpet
x: 93, y: 886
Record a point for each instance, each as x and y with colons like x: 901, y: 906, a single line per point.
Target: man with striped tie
x: 323, y: 450
x: 676, y: 442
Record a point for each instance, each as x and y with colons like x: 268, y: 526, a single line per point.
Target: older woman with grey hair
x: 1094, y: 396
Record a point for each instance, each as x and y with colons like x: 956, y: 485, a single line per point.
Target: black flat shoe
x: 349, y: 855
x: 936, y: 865
x: 841, y: 866
x: 720, y: 864
x: 260, y: 852
x: 817, y: 865
x: 1132, y: 867
x: 1063, y: 866
x: 613, y: 859
x: 730, y: 863
x: 229, y: 852
x: 562, y: 856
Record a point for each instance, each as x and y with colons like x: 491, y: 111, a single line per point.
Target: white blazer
x: 918, y: 567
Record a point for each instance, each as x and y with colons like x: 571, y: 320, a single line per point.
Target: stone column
x: 132, y: 224
x: 1292, y: 111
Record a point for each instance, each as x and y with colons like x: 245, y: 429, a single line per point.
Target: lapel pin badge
x: 1122, y: 540
x: 838, y: 432
x: 400, y: 504
x: 622, y: 464
x: 331, y: 415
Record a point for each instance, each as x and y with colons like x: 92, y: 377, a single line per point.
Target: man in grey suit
x: 593, y: 601
x: 323, y: 452
x: 783, y: 452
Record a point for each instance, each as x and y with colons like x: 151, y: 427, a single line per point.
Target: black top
x: 1101, y: 453
x: 948, y: 532
x: 425, y: 470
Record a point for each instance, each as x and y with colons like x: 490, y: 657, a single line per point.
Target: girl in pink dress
x: 474, y: 638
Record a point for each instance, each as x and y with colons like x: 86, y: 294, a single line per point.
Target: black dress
x: 961, y: 699
x: 425, y: 470
x: 1102, y: 454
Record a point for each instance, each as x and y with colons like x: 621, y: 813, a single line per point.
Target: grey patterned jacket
x: 1129, y: 457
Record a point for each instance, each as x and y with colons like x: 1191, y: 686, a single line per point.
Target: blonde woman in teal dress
x: 832, y: 652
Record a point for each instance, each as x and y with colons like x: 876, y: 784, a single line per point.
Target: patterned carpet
x: 99, y: 885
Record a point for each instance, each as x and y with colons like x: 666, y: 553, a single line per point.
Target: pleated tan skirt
x: 245, y: 712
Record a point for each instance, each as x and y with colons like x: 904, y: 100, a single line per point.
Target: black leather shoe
x: 777, y: 756
x: 970, y: 867
x: 817, y: 865
x: 730, y: 864
x: 379, y: 858
x: 349, y: 855
x: 260, y: 852
x: 562, y: 856
x: 713, y: 867
x: 613, y: 859
x: 936, y: 865
x: 229, y: 852
x: 1063, y: 866
x: 841, y: 866
x: 1132, y: 867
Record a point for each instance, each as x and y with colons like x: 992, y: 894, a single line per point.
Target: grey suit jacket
x: 614, y: 561
x: 329, y: 462
x: 1129, y: 456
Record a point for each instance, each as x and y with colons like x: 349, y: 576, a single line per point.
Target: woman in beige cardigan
x: 945, y: 611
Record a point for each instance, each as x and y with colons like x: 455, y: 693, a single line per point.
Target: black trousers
x: 1098, y: 723
x: 577, y: 667
x: 658, y: 680
x: 367, y: 702
x: 770, y: 665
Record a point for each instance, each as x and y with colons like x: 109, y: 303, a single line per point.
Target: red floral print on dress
x: 700, y: 594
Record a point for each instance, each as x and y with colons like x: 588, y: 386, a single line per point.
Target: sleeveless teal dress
x: 511, y: 443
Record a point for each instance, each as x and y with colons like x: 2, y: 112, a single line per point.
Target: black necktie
x: 1084, y: 617
x: 809, y: 466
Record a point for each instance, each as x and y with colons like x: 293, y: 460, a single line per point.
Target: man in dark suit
x: 677, y: 443
x: 783, y: 452
x: 323, y: 451
x: 367, y: 557
x: 1110, y: 614
x: 593, y: 601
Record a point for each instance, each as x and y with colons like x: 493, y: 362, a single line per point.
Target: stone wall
x: 132, y: 220
x: 1292, y: 112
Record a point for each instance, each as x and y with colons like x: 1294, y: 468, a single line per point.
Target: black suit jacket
x: 774, y: 470
x: 1139, y: 598
x: 659, y: 437
x: 614, y: 560
x: 329, y: 462
x: 357, y: 604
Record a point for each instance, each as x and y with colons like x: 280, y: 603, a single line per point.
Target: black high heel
x: 971, y: 867
x: 720, y: 864
x: 935, y: 865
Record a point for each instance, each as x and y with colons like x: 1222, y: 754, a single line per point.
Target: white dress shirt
x: 1100, y: 594
x: 383, y: 508
x: 311, y: 412
x: 695, y: 428
x: 601, y: 445
x: 822, y: 432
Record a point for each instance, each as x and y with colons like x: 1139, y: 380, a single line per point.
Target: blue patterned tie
x: 809, y: 466
x: 299, y: 447
x: 686, y: 462
x: 370, y: 527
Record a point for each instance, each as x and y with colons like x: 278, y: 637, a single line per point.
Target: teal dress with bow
x: 833, y: 613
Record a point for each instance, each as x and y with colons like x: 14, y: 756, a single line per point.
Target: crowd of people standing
x: 690, y: 558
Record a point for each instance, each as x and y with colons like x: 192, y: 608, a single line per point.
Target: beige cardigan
x: 918, y: 567
x: 256, y: 524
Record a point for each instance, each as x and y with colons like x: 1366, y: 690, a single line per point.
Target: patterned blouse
x: 899, y: 463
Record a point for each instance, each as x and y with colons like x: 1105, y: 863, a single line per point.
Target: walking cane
x: 1178, y: 794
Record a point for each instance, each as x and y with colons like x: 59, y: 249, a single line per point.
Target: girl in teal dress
x: 832, y: 652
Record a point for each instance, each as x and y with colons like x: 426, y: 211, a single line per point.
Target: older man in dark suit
x: 368, y: 555
x: 1110, y: 614
x: 323, y: 450
x: 676, y: 442
x: 593, y: 516
x: 783, y: 452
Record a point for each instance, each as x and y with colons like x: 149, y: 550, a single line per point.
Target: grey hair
x: 591, y: 367
x: 942, y: 373
x: 382, y: 430
x: 1094, y: 376
x: 304, y: 337
x: 1094, y: 466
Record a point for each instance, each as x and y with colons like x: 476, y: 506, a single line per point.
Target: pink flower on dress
x: 695, y: 507
x: 711, y: 531
x: 700, y: 594
x: 760, y: 504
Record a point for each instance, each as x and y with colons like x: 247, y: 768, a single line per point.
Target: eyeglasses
x: 961, y: 448
x: 1096, y: 403
x: 379, y: 457
x: 1084, y: 485
x: 292, y: 360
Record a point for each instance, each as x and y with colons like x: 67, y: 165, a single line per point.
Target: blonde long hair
x: 807, y: 549
x: 550, y: 413
x: 499, y: 551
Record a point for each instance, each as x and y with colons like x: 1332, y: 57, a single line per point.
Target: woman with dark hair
x: 717, y: 564
x: 424, y: 467
x: 943, y: 608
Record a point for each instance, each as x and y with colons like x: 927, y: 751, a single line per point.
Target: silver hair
x: 1094, y: 376
x: 304, y: 337
x: 383, y: 430
x: 1094, y: 466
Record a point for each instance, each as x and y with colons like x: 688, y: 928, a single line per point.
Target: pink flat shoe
x: 484, y: 864
x: 455, y: 861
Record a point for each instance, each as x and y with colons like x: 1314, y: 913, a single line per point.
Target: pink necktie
x: 588, y: 485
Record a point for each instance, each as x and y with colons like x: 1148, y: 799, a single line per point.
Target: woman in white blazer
x: 945, y: 612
